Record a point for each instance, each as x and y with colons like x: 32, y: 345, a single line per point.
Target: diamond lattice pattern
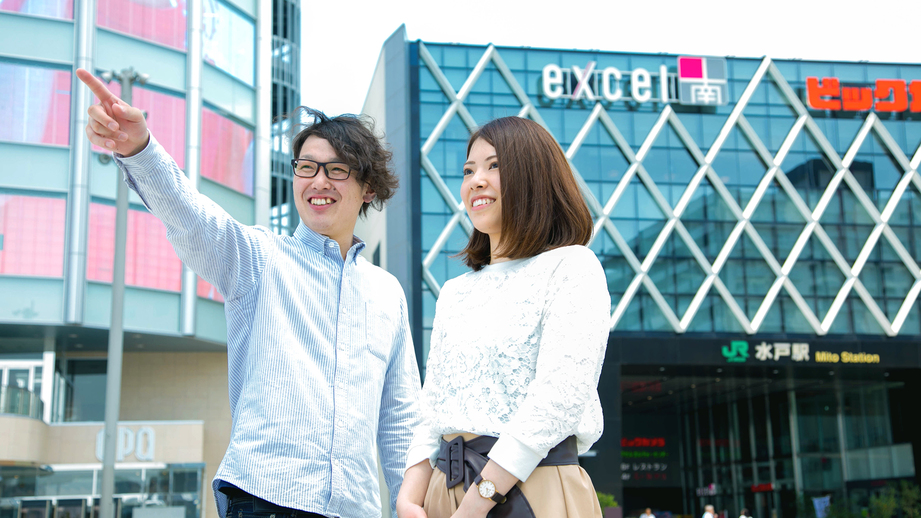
x: 702, y: 226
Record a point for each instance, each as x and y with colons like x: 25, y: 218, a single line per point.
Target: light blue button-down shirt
x: 321, y: 365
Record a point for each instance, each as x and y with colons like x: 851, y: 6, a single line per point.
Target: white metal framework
x: 673, y: 225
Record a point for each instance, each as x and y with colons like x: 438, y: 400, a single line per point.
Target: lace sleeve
x: 573, y: 339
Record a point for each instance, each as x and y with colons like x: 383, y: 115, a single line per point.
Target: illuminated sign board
x: 645, y: 459
x: 888, y: 95
x: 699, y: 81
x: 708, y: 490
x: 762, y: 488
x: 738, y: 352
x: 760, y: 350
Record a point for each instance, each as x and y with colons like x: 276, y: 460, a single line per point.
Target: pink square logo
x: 690, y: 68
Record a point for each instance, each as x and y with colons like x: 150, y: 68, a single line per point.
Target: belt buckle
x: 455, y: 459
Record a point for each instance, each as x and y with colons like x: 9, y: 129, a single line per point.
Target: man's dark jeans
x: 247, y: 506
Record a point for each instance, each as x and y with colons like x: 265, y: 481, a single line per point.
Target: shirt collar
x: 318, y: 242
x: 310, y: 238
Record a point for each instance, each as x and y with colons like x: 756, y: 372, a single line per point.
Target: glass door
x: 20, y: 373
x: 70, y: 509
x: 35, y: 509
x: 18, y: 399
x: 95, y: 510
x: 19, y: 380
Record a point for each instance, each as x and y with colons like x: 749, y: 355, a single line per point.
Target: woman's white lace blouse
x: 516, y: 352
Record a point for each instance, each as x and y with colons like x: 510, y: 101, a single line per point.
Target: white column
x: 262, y: 169
x: 48, y: 377
x: 193, y: 105
x: 78, y: 196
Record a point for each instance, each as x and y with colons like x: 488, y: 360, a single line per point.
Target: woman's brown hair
x: 542, y: 207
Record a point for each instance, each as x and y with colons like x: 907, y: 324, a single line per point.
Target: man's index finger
x: 96, y: 86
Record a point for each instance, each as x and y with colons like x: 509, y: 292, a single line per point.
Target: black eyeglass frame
x: 294, y: 162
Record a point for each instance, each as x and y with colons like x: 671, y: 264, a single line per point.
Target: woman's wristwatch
x: 487, y: 489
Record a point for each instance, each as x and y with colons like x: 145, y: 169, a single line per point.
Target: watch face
x: 487, y: 489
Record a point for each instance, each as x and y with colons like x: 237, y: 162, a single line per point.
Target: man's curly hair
x: 352, y: 137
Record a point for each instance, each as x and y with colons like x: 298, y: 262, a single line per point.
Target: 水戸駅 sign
x: 739, y: 351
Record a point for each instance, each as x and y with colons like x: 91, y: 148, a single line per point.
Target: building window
x: 172, y: 490
x: 85, y: 393
x: 229, y: 41
x: 165, y: 118
x: 51, y: 8
x: 226, y: 152
x: 150, y: 261
x: 34, y: 104
x: 159, y: 21
x: 32, y: 235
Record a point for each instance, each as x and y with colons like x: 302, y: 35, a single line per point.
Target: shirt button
x: 330, y: 244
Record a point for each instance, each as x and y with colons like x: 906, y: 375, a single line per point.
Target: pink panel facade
x: 32, y: 234
x: 159, y: 21
x: 150, y: 261
x: 35, y: 106
x: 226, y: 152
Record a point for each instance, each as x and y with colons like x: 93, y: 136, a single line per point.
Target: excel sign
x: 699, y: 81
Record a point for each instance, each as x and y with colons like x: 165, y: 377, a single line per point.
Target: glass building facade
x: 286, y: 96
x: 676, y: 143
x: 62, y: 492
x: 216, y: 71
x: 760, y: 249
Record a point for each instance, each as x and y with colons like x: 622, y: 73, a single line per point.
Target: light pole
x: 127, y: 78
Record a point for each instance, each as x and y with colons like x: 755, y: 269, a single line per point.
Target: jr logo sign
x: 737, y: 351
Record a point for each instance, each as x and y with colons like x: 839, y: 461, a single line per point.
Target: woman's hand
x: 475, y: 506
x: 412, y: 491
x: 409, y: 510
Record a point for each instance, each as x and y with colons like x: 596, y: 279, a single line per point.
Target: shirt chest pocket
x: 380, y: 330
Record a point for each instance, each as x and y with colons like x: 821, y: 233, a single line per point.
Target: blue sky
x: 342, y: 39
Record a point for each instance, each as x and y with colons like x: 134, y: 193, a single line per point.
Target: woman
x: 517, y: 344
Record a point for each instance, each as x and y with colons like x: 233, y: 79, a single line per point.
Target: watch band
x: 496, y: 497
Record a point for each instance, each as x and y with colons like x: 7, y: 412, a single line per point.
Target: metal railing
x: 20, y: 401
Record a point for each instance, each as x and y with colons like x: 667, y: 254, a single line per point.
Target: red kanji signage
x: 890, y: 95
x: 642, y: 442
x: 641, y: 386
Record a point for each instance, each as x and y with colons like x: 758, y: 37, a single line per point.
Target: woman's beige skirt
x: 552, y: 491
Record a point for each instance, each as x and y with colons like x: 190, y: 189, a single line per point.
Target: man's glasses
x: 309, y: 168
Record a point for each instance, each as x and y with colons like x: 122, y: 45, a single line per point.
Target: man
x: 708, y: 512
x: 647, y: 513
x: 321, y: 365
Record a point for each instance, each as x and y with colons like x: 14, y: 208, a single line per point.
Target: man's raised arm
x: 229, y: 255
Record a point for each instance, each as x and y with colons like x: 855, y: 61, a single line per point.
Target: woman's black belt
x: 462, y: 461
